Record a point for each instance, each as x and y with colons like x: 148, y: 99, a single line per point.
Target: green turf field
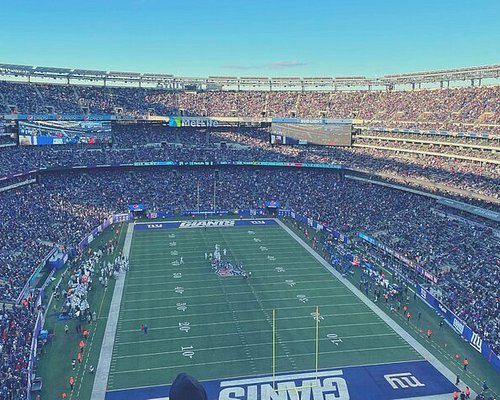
x: 220, y: 327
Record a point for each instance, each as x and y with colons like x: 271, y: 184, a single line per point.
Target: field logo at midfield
x: 403, y: 380
x: 207, y: 224
x: 325, y: 385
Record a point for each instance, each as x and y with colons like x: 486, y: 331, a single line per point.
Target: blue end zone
x: 382, y: 382
x: 223, y: 223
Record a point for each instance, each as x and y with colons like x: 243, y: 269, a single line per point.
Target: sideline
x: 103, y: 367
x: 426, y: 354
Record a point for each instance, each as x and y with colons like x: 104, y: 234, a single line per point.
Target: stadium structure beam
x: 472, y: 74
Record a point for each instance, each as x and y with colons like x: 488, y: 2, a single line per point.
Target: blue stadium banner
x: 136, y: 207
x: 460, y: 327
x: 273, y: 204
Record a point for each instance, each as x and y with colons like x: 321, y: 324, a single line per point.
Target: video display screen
x: 64, y: 132
x: 319, y: 134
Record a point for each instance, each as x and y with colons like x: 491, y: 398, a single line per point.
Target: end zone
x: 220, y: 223
x: 405, y: 380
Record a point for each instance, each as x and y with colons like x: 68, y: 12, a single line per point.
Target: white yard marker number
x: 187, y: 351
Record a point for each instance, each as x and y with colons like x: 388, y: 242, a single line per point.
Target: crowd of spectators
x: 16, y: 329
x: 60, y: 208
x: 32, y: 222
x: 445, y: 139
x: 463, y: 255
x: 441, y: 149
x: 457, y: 109
x: 156, y: 142
x: 6, y: 139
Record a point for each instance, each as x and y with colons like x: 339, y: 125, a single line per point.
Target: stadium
x: 167, y: 237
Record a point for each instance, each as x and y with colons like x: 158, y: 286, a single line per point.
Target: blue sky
x: 252, y: 37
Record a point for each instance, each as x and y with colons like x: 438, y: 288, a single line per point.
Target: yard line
x: 196, y: 268
x: 178, y: 298
x: 224, y: 322
x: 233, y: 293
x: 225, y: 312
x: 189, y: 244
x: 169, y: 339
x: 255, y: 358
x: 181, y: 281
x: 294, y: 299
x: 165, y: 244
x: 267, y: 343
x: 200, y: 259
x: 211, y: 272
x: 270, y: 266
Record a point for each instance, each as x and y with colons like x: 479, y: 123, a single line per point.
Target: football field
x: 221, y: 327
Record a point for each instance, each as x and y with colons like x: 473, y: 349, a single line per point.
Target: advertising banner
x: 460, y: 327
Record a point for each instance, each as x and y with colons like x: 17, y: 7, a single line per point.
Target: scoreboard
x: 318, y: 132
x: 35, y: 133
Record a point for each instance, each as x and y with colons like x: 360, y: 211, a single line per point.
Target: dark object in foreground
x: 185, y: 387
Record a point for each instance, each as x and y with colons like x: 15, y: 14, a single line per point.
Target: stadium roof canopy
x: 74, y: 76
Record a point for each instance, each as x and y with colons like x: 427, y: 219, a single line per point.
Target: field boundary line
x: 104, y: 364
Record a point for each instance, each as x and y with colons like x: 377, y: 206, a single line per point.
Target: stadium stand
x: 458, y: 109
x: 392, y: 216
x: 61, y: 207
